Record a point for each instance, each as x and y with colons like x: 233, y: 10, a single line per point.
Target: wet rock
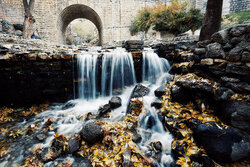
x: 237, y: 69
x: 115, y: 102
x: 48, y: 122
x: 235, y: 54
x: 92, y: 132
x: 156, y: 147
x: 246, y: 56
x: 222, y: 144
x: 236, y: 40
x: 237, y: 113
x: 150, y: 121
x: 74, y: 144
x: 137, y: 138
x: 199, y: 51
x: 161, y: 117
x: 81, y: 162
x: 203, y: 160
x: 139, y: 91
x: 223, y: 94
x: 90, y: 116
x: 241, y: 87
x: 215, y: 50
x: 179, y: 94
x: 157, y: 104
x: 68, y: 105
x: 227, y: 47
x: 133, y: 45
x: 237, y: 31
x: 194, y: 58
x: 227, y: 79
x: 159, y: 92
x: 220, y: 37
x: 45, y: 155
x: 203, y: 44
x: 59, y: 145
x: 41, y: 137
x: 104, y: 109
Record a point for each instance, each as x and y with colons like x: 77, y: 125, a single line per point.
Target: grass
x: 235, y: 18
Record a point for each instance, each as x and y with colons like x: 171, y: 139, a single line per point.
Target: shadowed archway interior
x: 79, y: 11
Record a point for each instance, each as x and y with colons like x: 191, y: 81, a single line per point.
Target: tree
x: 212, y: 20
x: 28, y: 18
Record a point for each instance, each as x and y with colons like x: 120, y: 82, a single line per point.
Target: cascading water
x: 97, y: 82
x: 87, y: 65
x: 153, y: 66
x: 117, y: 71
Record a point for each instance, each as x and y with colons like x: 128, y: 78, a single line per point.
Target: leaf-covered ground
x: 117, y: 147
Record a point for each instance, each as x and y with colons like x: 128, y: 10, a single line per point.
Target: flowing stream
x: 117, y: 76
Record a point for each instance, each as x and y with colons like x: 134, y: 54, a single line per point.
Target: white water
x: 117, y: 73
x: 153, y: 66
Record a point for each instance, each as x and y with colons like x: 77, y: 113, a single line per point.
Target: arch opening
x: 78, y: 11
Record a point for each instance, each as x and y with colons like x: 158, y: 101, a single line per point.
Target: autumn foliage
x: 174, y: 18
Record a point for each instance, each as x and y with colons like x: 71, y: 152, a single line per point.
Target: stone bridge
x: 111, y: 17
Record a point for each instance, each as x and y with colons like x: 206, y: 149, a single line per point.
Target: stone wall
x: 225, y: 58
x: 239, y: 5
x: 115, y: 16
x: 229, y: 6
x: 36, y: 78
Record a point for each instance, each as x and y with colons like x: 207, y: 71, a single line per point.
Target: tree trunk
x: 212, y: 20
x: 29, y: 19
x: 28, y: 27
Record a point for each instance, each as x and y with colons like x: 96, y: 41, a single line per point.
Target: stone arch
x: 77, y: 11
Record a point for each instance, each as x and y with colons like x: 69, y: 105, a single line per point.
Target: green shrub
x: 174, y: 18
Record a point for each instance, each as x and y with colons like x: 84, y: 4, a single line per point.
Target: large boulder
x: 139, y: 91
x: 237, y: 113
x: 221, y: 37
x: 115, y: 102
x: 133, y: 45
x: 215, y: 50
x: 235, y: 54
x: 222, y: 144
x: 237, y: 31
x: 159, y: 92
x: 74, y: 144
x: 104, y: 109
x: 7, y: 27
x: 92, y: 132
x: 180, y: 95
x: 223, y: 94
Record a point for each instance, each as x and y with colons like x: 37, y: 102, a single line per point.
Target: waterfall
x: 87, y: 65
x: 100, y: 75
x: 116, y: 71
x: 153, y: 66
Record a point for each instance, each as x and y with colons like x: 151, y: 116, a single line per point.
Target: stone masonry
x: 111, y: 17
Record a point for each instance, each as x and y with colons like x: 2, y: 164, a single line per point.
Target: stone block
x: 207, y: 61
